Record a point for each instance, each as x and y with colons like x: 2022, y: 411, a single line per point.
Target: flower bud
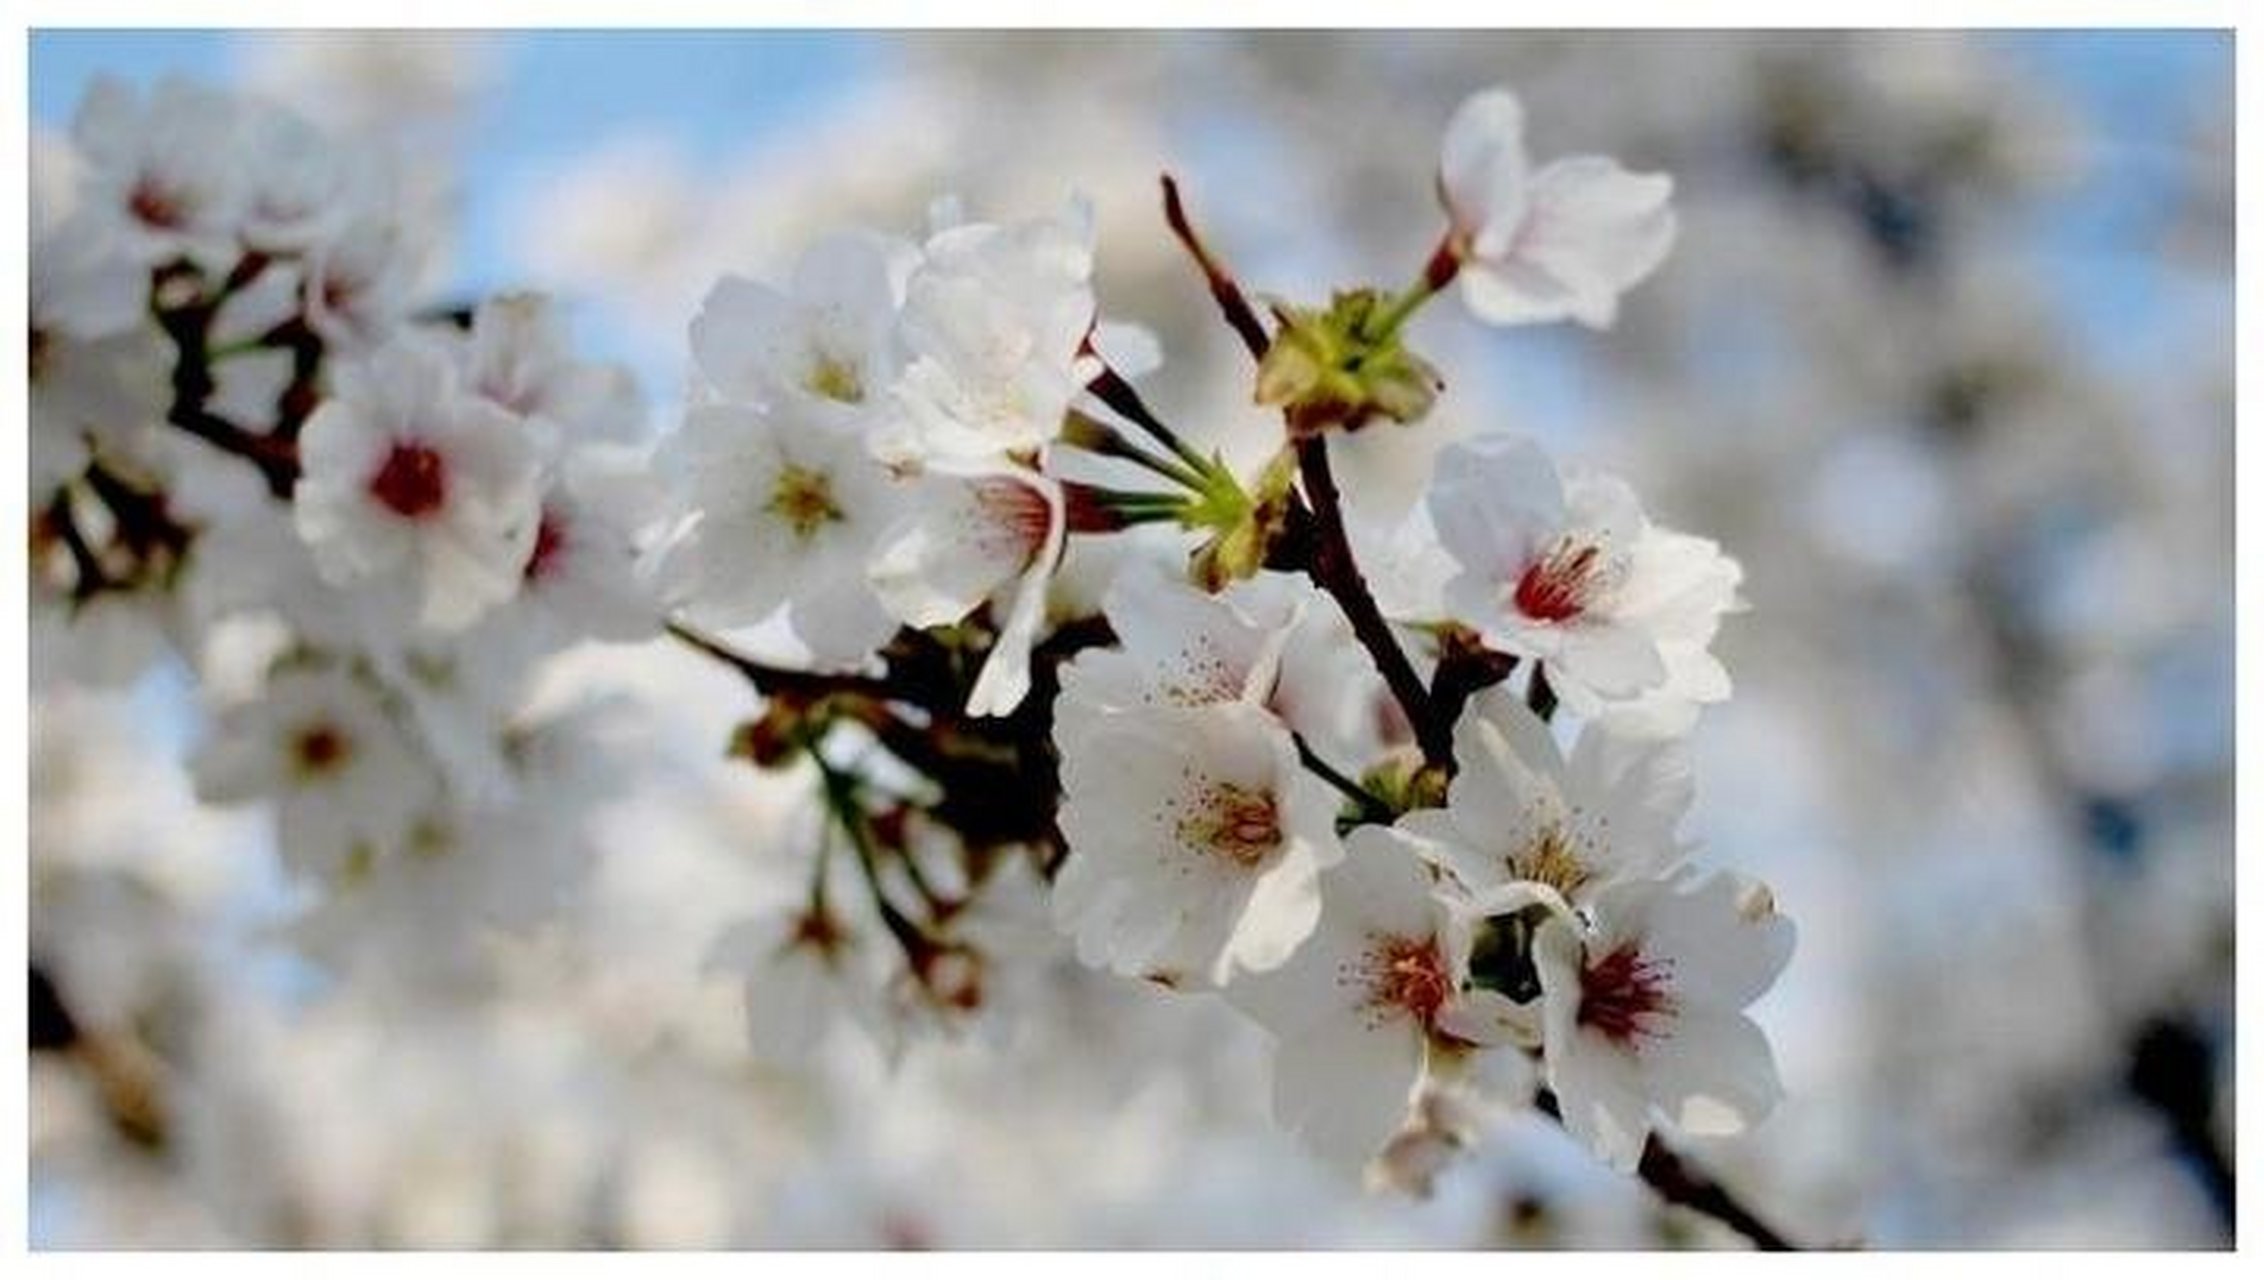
x: 1244, y: 539
x: 1344, y: 366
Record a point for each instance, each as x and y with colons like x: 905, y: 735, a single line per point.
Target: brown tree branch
x: 1240, y: 316
x: 1333, y: 569
x: 1678, y: 1181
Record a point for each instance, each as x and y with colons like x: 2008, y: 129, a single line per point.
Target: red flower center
x: 1562, y: 583
x: 319, y: 748
x: 550, y: 542
x: 413, y: 483
x: 1019, y: 517
x: 339, y: 293
x: 155, y: 206
x: 1407, y: 976
x: 1624, y: 995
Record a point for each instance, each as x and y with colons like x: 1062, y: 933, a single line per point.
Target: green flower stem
x: 1099, y: 438
x: 1372, y: 808
x: 1118, y: 394
x: 841, y: 802
x: 771, y: 681
x: 1443, y: 266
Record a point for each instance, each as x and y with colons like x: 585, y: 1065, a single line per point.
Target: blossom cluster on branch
x: 1039, y: 645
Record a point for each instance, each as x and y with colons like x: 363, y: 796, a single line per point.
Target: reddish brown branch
x: 1677, y: 1181
x: 1224, y: 290
x: 1333, y: 569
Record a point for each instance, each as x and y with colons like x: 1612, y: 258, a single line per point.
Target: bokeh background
x: 1944, y: 355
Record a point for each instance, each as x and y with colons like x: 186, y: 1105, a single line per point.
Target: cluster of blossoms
x: 364, y: 523
x: 1356, y: 824
x: 1048, y: 663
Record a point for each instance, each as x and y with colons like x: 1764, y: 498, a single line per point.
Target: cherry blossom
x: 1560, y: 242
x: 801, y: 971
x: 1564, y: 568
x: 517, y: 356
x: 824, y: 345
x: 589, y: 572
x: 411, y: 480
x: 300, y: 186
x: 1195, y: 734
x: 468, y: 869
x: 993, y: 331
x: 79, y: 284
x: 322, y: 744
x: 1524, y: 817
x: 992, y: 535
x: 1180, y: 647
x: 1644, y: 1010
x: 789, y: 513
x: 1195, y: 841
x: 1354, y: 1011
x: 161, y: 168
x: 361, y: 284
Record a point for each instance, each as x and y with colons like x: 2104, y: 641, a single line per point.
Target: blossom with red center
x: 1562, y: 583
x: 1564, y: 569
x: 1643, y: 1010
x: 409, y: 480
x: 587, y: 574
x: 161, y: 167
x: 361, y: 279
x: 321, y: 744
x: 1359, y: 1008
x: 1557, y: 242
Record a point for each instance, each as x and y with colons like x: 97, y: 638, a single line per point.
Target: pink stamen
x: 1561, y: 584
x: 1624, y: 995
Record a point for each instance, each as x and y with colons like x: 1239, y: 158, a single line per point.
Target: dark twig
x: 1328, y: 558
x: 1540, y: 695
x: 773, y: 681
x: 303, y: 392
x: 1333, y: 570
x: 1228, y: 294
x: 1119, y: 395
x: 1680, y: 1182
x: 189, y: 326
x: 1466, y: 666
x: 126, y: 1075
x: 89, y: 577
x: 1372, y: 809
